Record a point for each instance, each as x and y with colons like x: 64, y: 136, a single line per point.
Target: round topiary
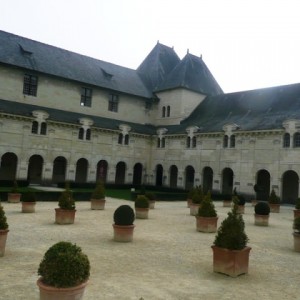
x: 141, y: 201
x: 151, y: 196
x: 124, y: 215
x: 28, y: 197
x: 296, y: 225
x: 262, y: 208
x: 3, y: 220
x: 64, y: 265
x: 242, y: 200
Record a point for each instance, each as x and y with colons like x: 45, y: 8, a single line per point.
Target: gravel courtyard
x: 168, y: 258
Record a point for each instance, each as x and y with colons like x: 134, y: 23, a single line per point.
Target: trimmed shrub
x: 3, y: 220
x: 28, y: 197
x: 66, y: 200
x: 262, y: 208
x: 141, y: 201
x: 124, y: 215
x: 207, y: 208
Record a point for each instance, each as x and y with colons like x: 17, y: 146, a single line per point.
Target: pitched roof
x: 32, y: 55
x: 157, y: 65
x: 191, y: 73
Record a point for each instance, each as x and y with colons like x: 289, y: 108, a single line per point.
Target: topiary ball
x: 262, y: 208
x: 124, y: 215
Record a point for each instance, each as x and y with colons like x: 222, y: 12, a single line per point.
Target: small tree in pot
x: 274, y: 202
x: 230, y: 251
x: 196, y: 201
x: 28, y: 200
x: 152, y: 198
x: 297, y: 209
x: 98, y: 197
x: 64, y: 272
x: 296, y: 234
x: 262, y: 213
x: 241, y: 201
x: 3, y: 230
x: 123, y: 224
x: 14, y: 196
x: 141, y: 206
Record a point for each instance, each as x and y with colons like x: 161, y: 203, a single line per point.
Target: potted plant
x: 257, y: 189
x: 241, y: 203
x: 28, y: 200
x: 65, y: 214
x: 230, y: 250
x: 207, y: 219
x: 296, y: 234
x: 297, y: 209
x: 190, y: 196
x: 64, y: 272
x: 274, y: 202
x: 14, y: 196
x: 3, y: 231
x: 152, y: 198
x: 196, y: 201
x: 262, y: 212
x: 123, y: 224
x: 98, y: 197
x: 141, y: 206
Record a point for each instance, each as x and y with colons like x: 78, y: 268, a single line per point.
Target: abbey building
x: 65, y: 116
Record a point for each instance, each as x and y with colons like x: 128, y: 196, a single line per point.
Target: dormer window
x: 113, y: 102
x: 86, y: 97
x: 30, y: 85
x: 166, y: 111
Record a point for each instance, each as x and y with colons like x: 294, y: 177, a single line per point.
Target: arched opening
x: 159, y: 175
x: 189, y: 177
x: 207, y: 179
x: 290, y: 187
x: 173, y: 176
x: 102, y: 167
x: 120, y: 173
x: 81, y: 170
x: 9, y: 162
x: 59, y: 169
x: 227, y: 181
x: 137, y: 174
x: 35, y: 169
x: 263, y: 180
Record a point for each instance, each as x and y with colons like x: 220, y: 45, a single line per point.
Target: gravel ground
x: 168, y: 258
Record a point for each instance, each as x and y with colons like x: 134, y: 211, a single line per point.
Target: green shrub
x: 296, y: 224
x: 262, y: 208
x: 151, y: 196
x: 28, y: 197
x: 231, y: 234
x: 141, y: 201
x: 207, y: 208
x: 99, y: 191
x: 15, y: 187
x: 197, y: 195
x: 273, y: 198
x: 297, y: 206
x: 124, y: 215
x: 64, y: 265
x: 3, y: 220
x: 66, y: 200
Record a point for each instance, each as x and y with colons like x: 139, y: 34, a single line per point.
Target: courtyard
x: 168, y: 258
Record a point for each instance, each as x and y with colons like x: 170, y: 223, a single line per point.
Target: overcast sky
x: 245, y: 44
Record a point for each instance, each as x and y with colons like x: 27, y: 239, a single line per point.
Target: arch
x: 120, y: 173
x: 189, y: 177
x: 263, y: 180
x: 81, y: 170
x: 102, y: 168
x: 173, y: 176
x: 35, y: 169
x: 59, y: 169
x: 159, y: 175
x: 207, y: 179
x: 227, y: 181
x: 290, y: 187
x: 137, y: 174
x: 8, y: 169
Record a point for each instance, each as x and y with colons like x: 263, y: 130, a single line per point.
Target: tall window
x: 161, y: 142
x: 297, y: 139
x: 88, y: 134
x: 44, y: 128
x: 126, y: 139
x: 188, y: 142
x: 225, y: 141
x: 232, y: 141
x: 30, y: 85
x: 168, y: 111
x: 86, y: 97
x: 81, y: 133
x: 123, y: 139
x: 120, y: 138
x: 35, y: 127
x: 163, y: 112
x: 113, y: 102
x: 286, y: 140
x: 194, y: 142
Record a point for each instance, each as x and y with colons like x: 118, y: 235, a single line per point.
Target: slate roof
x: 191, y: 73
x: 25, y: 53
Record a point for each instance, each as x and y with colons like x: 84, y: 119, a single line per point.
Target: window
x: 297, y: 139
x: 164, y: 112
x: 163, y: 142
x: 194, y: 142
x: 225, y: 141
x: 86, y: 97
x: 286, y: 140
x: 158, y: 143
x: 126, y: 140
x: 35, y: 127
x: 81, y: 133
x: 232, y: 141
x: 44, y: 128
x: 113, y: 103
x: 30, y: 85
x: 168, y: 111
x: 120, y: 138
x: 88, y: 134
x: 188, y: 142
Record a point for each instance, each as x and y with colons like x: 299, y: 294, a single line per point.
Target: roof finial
x: 187, y: 52
x: 157, y: 41
x: 201, y: 56
x: 173, y: 47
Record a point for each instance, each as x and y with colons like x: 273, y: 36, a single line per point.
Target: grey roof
x: 57, y: 115
x: 157, y: 65
x: 25, y: 53
x: 261, y: 109
x: 191, y: 73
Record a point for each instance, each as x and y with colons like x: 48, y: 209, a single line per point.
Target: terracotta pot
x: 231, y: 262
x: 227, y: 203
x: 123, y: 233
x: 241, y: 209
x: 206, y: 224
x: 64, y: 216
x: 274, y: 207
x: 3, y: 238
x: 13, y: 197
x: 28, y: 207
x: 151, y: 204
x: 261, y: 220
x: 98, y: 204
x: 296, y: 213
x: 194, y: 209
x: 296, y: 241
x: 141, y: 213
x: 48, y: 292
